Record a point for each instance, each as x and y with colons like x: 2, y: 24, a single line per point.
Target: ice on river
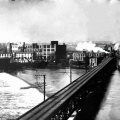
x: 15, y: 101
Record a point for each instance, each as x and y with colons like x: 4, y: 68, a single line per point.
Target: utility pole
x: 44, y: 87
x: 44, y: 77
x: 70, y: 72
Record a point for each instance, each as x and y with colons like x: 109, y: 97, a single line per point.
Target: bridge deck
x: 44, y: 110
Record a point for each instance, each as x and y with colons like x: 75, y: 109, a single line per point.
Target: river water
x: 110, y: 107
x: 17, y: 94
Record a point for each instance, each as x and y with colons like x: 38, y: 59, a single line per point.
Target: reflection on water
x: 55, y: 78
x: 15, y: 101
x: 110, y: 108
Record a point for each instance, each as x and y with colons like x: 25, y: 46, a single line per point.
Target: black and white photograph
x: 59, y: 59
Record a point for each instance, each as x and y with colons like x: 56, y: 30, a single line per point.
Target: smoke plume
x: 89, y: 46
x: 116, y: 46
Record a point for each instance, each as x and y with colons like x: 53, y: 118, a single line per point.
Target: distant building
x: 15, y: 47
x: 9, y: 47
x: 81, y: 57
x: 60, y: 53
x: 5, y: 55
x: 41, y: 52
x: 23, y: 57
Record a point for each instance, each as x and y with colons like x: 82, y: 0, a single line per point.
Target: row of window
x: 37, y: 46
x: 6, y: 55
x: 83, y: 55
x: 30, y: 50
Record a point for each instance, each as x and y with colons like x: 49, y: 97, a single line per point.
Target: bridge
x: 62, y: 104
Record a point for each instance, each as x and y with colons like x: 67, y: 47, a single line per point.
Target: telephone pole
x: 44, y: 77
x: 70, y: 72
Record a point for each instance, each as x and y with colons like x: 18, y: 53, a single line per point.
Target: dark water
x: 110, y: 107
x: 55, y: 79
x: 105, y: 103
x: 14, y: 100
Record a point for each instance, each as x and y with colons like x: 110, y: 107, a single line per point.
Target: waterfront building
x: 28, y: 47
x: 42, y: 52
x: 60, y: 53
x: 5, y: 55
x: 92, y: 59
x: 15, y: 47
x: 23, y: 57
x: 78, y: 56
x: 48, y: 51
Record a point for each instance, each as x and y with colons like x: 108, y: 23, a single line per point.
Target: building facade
x: 37, y: 51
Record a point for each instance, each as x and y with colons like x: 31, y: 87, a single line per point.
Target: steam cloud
x: 89, y: 46
x: 62, y: 20
x: 116, y: 46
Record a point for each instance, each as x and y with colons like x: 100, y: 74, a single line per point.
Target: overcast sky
x: 62, y: 20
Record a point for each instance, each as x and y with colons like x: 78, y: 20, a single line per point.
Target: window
x: 48, y: 46
x: 40, y: 50
x: 44, y: 46
x: 48, y: 49
x: 52, y: 49
x: 52, y: 46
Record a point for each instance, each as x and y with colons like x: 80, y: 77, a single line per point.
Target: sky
x: 61, y: 20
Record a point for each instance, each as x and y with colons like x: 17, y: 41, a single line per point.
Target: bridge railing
x: 69, y: 99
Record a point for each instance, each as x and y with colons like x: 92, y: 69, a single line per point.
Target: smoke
x: 104, y: 1
x: 89, y: 46
x: 116, y: 46
x: 62, y: 20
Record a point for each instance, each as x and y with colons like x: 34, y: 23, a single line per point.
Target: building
x: 89, y: 58
x: 15, y: 47
x: 23, y: 57
x: 5, y: 55
x: 40, y: 52
x: 60, y: 53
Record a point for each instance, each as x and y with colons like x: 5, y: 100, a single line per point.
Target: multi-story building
x: 48, y: 51
x: 60, y: 53
x: 38, y: 51
x: 90, y: 57
x: 15, y: 47
x: 80, y: 55
x: 23, y: 57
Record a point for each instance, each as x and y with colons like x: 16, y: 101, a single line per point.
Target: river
x: 17, y: 94
x: 110, y: 107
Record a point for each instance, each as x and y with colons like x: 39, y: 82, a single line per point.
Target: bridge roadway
x: 62, y: 104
